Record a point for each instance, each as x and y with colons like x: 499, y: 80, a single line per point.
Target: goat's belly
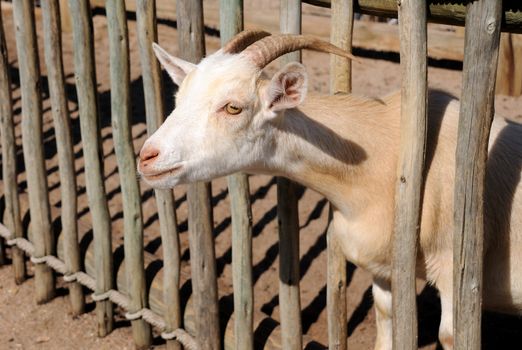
x: 368, y: 249
x: 503, y: 279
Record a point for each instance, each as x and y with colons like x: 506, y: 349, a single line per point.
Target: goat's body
x: 347, y: 149
x: 229, y: 118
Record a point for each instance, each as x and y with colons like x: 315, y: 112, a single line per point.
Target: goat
x: 230, y: 117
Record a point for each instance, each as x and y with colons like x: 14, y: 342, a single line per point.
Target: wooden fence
x: 199, y: 326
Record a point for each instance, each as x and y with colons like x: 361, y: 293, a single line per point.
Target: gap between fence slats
x: 85, y: 78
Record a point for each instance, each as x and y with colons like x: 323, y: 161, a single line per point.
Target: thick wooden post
x: 288, y: 217
x: 340, y: 82
x: 476, y: 115
x: 9, y: 171
x: 85, y: 77
x: 231, y: 23
x: 62, y: 127
x: 32, y: 141
x: 121, y: 126
x: 413, y: 36
x: 151, y: 73
x: 203, y: 264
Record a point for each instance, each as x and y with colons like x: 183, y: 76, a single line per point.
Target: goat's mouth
x: 158, y: 175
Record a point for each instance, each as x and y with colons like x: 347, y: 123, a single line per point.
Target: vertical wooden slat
x: 62, y: 127
x: 413, y: 37
x: 203, y: 264
x: 341, y: 36
x: 121, y: 126
x: 85, y: 77
x: 151, y: 73
x: 476, y: 115
x: 340, y: 82
x: 9, y: 171
x: 32, y: 142
x: 231, y: 23
x: 288, y: 216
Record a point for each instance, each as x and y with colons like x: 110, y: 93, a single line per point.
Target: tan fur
x: 346, y: 148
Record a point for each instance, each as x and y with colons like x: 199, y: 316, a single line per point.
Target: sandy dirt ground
x: 24, y: 325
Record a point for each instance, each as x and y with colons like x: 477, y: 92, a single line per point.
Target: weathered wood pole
x: 9, y: 171
x: 203, y: 263
x: 231, y: 23
x: 32, y: 142
x: 481, y: 46
x: 413, y: 37
x: 62, y: 127
x: 340, y: 83
x: 154, y: 109
x: 85, y: 77
x: 288, y: 216
x: 446, y: 12
x: 121, y: 127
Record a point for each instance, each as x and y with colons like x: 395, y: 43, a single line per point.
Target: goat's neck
x: 343, y: 153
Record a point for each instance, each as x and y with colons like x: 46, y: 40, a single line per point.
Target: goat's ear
x: 287, y: 89
x: 175, y: 67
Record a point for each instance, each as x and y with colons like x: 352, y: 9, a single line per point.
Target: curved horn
x: 242, y: 40
x: 268, y: 49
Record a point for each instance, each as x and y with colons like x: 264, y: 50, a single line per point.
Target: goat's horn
x: 266, y: 50
x: 242, y: 40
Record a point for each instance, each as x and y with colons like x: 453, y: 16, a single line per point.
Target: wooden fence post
x: 151, y: 73
x: 121, y: 126
x: 85, y: 77
x: 340, y: 82
x: 476, y: 115
x: 288, y: 216
x: 413, y: 36
x: 231, y: 23
x: 62, y: 126
x: 32, y: 141
x: 203, y: 263
x: 9, y: 171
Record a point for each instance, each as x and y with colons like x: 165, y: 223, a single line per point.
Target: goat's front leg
x: 382, y: 297
x: 444, y: 284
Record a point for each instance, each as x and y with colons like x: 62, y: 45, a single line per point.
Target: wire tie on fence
x: 101, y: 296
x: 131, y: 316
x: 39, y: 260
x: 70, y: 277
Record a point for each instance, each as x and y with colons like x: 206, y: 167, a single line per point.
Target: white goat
x: 229, y: 117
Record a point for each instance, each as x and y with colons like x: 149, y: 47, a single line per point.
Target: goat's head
x: 226, y: 110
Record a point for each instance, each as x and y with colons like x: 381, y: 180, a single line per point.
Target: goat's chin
x: 164, y: 183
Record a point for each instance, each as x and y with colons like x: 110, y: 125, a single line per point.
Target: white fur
x: 346, y: 148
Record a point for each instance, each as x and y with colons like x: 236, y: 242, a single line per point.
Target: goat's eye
x: 231, y: 109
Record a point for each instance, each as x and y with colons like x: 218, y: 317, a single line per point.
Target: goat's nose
x: 148, y: 154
